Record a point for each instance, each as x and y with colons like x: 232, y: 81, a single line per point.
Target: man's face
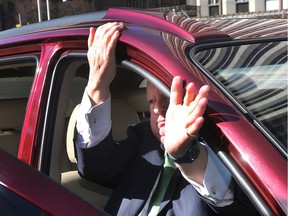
x: 158, y: 106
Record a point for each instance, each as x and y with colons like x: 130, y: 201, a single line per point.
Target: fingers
x: 195, y: 103
x: 102, y: 60
x: 177, y: 91
x: 112, y: 43
x: 195, y: 127
x: 91, y: 37
x: 105, y: 32
x: 176, y: 96
x: 196, y: 113
x: 190, y: 94
x: 104, y: 39
x: 203, y: 93
x: 197, y: 107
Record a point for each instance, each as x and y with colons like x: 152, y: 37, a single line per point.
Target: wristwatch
x: 191, y: 155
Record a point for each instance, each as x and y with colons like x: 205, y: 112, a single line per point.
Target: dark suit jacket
x: 131, y: 168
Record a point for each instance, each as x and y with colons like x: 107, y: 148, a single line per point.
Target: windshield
x: 256, y: 74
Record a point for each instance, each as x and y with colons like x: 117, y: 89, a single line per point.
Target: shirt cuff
x: 217, y: 181
x: 93, y: 122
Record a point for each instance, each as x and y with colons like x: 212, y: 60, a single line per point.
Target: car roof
x: 50, y: 25
x: 191, y: 29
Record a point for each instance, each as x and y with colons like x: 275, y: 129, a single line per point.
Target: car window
x: 12, y: 204
x: 255, y: 74
x: 16, y: 77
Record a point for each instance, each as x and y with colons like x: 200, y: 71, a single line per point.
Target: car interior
x: 10, y: 127
x: 16, y: 79
x: 128, y: 106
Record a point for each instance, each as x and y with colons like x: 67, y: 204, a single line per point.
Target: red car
x: 44, y: 70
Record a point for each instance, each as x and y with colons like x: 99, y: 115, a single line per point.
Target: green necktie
x: 157, y: 197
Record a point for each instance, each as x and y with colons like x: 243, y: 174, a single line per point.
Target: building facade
x: 234, y: 7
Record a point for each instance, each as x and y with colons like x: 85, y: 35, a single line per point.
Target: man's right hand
x: 102, y: 61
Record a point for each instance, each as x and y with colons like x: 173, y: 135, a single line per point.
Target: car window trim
x: 257, y: 200
x: 20, y: 58
x: 43, y: 164
x: 144, y: 73
x: 190, y: 53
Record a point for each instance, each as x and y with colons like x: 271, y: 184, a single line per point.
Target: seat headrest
x: 122, y: 115
x: 135, y: 98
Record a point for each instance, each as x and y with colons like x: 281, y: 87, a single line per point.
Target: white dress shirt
x: 217, y: 188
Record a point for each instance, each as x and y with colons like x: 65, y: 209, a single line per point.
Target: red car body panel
x: 29, y: 184
x: 28, y: 149
x: 144, y: 19
x: 145, y: 44
x: 254, y: 160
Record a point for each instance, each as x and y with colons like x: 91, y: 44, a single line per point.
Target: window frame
x: 51, y: 123
x: 241, y: 5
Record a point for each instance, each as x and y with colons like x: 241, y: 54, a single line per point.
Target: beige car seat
x: 122, y: 115
x: 12, y: 112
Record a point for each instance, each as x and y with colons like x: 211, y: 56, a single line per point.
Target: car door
x: 26, y: 191
x: 253, y: 75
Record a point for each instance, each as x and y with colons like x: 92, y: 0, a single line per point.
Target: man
x: 133, y: 167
